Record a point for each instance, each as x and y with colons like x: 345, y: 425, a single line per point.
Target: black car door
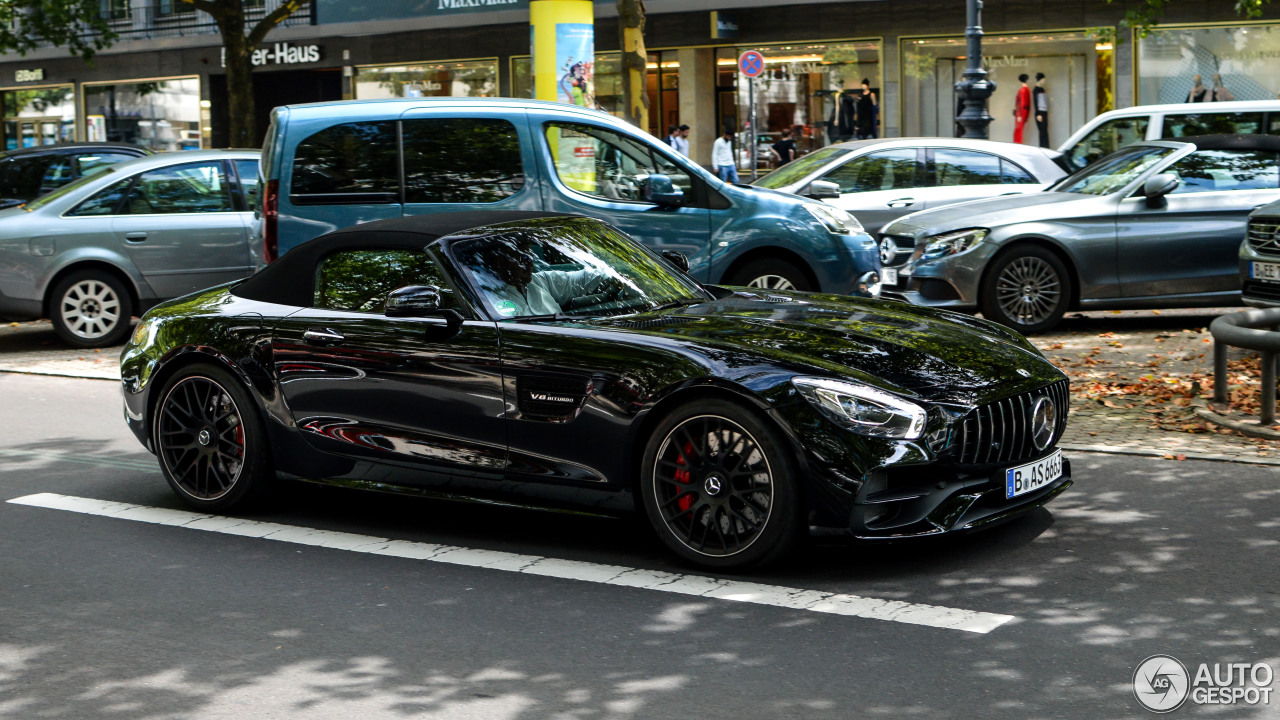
x: 421, y: 401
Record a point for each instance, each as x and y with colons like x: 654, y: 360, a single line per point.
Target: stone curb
x: 1143, y: 452
x: 1252, y: 430
x: 57, y: 373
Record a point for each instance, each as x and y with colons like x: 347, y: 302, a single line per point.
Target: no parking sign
x: 751, y: 63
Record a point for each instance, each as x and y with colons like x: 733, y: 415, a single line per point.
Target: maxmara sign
x: 282, y: 54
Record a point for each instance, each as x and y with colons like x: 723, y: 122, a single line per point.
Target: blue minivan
x: 332, y: 165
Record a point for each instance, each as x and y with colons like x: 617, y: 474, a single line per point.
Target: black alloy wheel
x: 1027, y: 289
x: 718, y: 486
x: 770, y: 274
x: 210, y: 441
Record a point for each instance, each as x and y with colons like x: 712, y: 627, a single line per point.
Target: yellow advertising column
x: 564, y: 40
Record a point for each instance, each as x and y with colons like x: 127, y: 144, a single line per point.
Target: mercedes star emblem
x: 1044, y: 422
x: 888, y: 250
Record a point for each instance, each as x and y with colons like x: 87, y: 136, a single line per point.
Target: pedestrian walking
x: 1041, y: 102
x: 722, y: 158
x: 1021, y: 108
x: 1220, y: 93
x: 673, y: 137
x: 868, y: 115
x: 1199, y: 93
x: 785, y: 149
x: 682, y: 141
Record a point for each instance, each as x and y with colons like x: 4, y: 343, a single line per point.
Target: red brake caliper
x: 240, y: 439
x: 682, y: 475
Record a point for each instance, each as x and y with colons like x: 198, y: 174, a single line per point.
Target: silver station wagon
x: 100, y: 250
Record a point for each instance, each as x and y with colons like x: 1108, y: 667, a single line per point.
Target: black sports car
x: 554, y: 361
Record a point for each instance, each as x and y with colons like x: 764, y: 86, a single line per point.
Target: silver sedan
x: 881, y: 180
x: 1156, y: 224
x: 95, y: 252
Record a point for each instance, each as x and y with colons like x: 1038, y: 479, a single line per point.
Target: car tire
x: 719, y: 486
x: 91, y: 309
x: 771, y: 274
x: 210, y: 441
x: 1027, y: 289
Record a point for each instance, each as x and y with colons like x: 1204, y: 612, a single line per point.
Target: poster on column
x: 575, y: 59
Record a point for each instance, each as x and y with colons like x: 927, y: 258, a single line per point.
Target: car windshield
x: 68, y: 188
x: 555, y: 268
x: 1113, y: 172
x: 800, y: 168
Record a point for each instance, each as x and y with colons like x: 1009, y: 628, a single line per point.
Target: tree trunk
x: 239, y: 59
x: 635, y: 95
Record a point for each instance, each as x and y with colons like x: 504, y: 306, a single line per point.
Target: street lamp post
x: 975, y: 88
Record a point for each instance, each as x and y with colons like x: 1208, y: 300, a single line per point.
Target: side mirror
x: 659, y: 190
x: 1157, y: 186
x: 822, y: 190
x: 678, y: 259
x: 421, y: 301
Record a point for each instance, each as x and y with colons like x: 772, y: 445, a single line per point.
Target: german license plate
x: 889, y: 276
x: 1265, y: 271
x: 1032, y: 476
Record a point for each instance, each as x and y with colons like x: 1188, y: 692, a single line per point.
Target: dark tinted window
x: 191, y: 188
x: 345, y: 162
x: 1014, y: 175
x: 1218, y: 170
x: 1211, y: 123
x: 361, y: 280
x: 884, y: 170
x: 964, y: 167
x: 29, y: 177
x: 247, y: 170
x: 104, y: 202
x: 1107, y: 138
x: 90, y: 164
x: 461, y: 161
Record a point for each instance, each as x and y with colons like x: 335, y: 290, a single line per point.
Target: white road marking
x: 616, y: 575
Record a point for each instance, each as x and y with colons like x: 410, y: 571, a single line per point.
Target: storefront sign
x: 447, y: 5
x: 724, y: 25
x: 32, y: 75
x: 282, y: 54
x: 993, y: 63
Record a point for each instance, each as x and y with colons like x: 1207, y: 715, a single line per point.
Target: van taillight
x: 270, y: 216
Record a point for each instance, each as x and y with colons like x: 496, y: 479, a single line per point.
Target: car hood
x: 934, y: 355
x: 989, y: 213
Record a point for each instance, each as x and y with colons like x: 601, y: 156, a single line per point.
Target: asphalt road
x: 104, y: 617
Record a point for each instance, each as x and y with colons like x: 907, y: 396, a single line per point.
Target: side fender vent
x: 551, y: 399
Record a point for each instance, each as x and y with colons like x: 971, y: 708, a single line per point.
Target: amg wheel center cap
x: 713, y: 485
x: 1044, y: 422
x: 205, y: 437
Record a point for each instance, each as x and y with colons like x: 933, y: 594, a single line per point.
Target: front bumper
x: 947, y: 282
x: 1257, y: 293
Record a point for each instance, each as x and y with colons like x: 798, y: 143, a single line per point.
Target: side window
x: 104, y: 202
x: 350, y: 163
x: 461, y: 161
x: 192, y: 188
x: 964, y: 167
x: 1225, y: 170
x: 605, y: 163
x: 247, y: 170
x: 1211, y: 123
x: 26, y: 176
x: 1274, y: 122
x: 95, y: 163
x: 1014, y: 175
x: 361, y: 280
x: 1109, y: 137
x: 884, y: 170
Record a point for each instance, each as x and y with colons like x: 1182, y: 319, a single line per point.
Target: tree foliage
x: 1145, y: 15
x: 77, y: 25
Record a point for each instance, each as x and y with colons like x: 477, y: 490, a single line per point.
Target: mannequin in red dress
x: 1021, y: 108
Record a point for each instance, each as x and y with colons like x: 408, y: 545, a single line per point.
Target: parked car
x: 1156, y: 224
x: 93, y: 253
x: 1112, y: 130
x: 330, y: 165
x: 555, y: 361
x: 1260, y: 258
x: 28, y: 173
x: 879, y: 181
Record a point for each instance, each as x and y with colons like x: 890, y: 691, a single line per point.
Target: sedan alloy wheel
x: 91, y: 309
x: 1028, y: 290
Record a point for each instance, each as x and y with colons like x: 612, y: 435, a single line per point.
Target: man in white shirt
x: 722, y: 158
x: 515, y: 290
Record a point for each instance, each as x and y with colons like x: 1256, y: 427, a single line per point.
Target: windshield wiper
x: 676, y: 303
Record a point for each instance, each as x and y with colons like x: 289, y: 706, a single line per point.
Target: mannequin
x: 1220, y: 93
x: 1040, y: 101
x: 1199, y: 93
x: 1021, y: 108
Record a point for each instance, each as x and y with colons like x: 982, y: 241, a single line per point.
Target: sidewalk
x: 1106, y: 354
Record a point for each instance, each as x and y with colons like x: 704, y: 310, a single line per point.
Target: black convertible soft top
x: 289, y: 280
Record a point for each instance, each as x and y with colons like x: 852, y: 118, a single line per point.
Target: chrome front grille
x: 903, y: 246
x: 1000, y: 432
x: 1264, y: 235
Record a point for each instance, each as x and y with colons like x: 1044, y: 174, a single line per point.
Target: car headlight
x: 837, y: 221
x: 863, y: 409
x: 142, y: 333
x: 953, y: 243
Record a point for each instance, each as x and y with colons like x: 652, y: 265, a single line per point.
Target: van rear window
x: 348, y: 163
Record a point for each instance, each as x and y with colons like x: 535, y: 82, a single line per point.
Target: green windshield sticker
x: 506, y: 308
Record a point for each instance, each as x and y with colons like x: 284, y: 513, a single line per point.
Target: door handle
x: 323, y: 336
x: 901, y: 202
x: 135, y: 236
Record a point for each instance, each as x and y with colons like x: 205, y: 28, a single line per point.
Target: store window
x: 812, y: 89
x: 464, y: 78
x: 38, y: 116
x: 157, y: 114
x: 1078, y: 70
x: 605, y: 73
x: 1232, y: 63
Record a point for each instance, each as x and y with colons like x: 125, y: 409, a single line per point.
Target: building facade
x: 162, y: 84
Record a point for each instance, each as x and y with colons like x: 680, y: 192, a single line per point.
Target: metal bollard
x: 1219, y: 371
x: 1268, y: 388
